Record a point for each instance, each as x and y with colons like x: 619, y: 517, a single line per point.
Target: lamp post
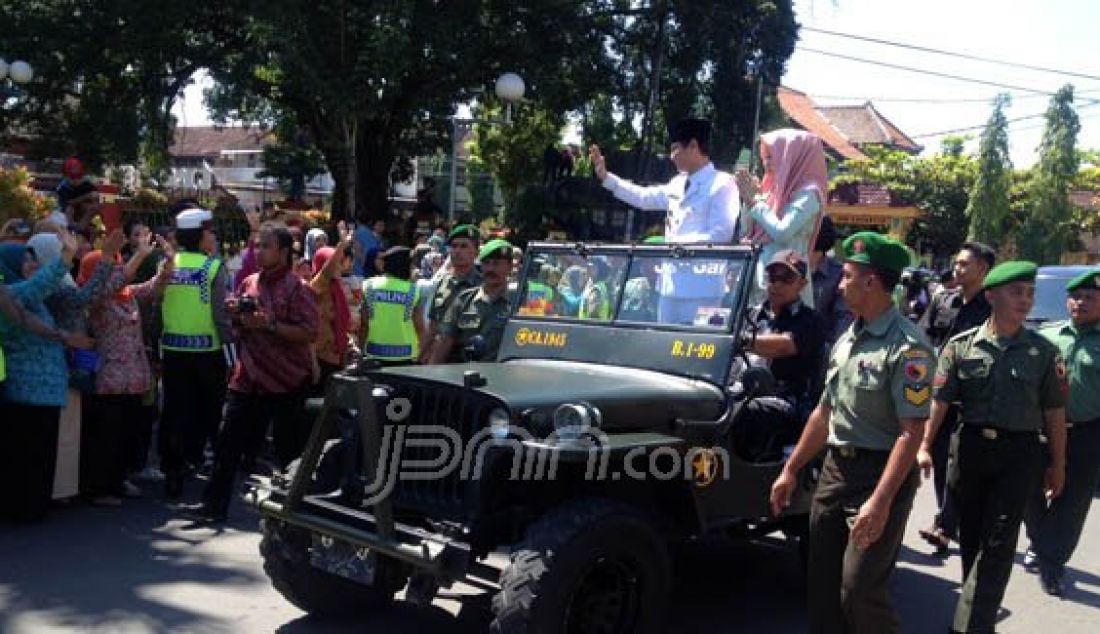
x: 509, y: 88
x: 12, y: 75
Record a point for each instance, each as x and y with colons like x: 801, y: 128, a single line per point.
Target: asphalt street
x: 142, y: 568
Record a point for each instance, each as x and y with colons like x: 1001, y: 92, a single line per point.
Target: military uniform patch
x: 916, y: 371
x: 917, y: 396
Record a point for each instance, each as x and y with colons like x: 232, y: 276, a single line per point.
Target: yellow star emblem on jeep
x: 704, y: 467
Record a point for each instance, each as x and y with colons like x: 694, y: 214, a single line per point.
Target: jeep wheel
x: 285, y: 550
x: 586, y: 567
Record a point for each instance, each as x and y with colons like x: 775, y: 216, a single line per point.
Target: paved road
x: 141, y: 569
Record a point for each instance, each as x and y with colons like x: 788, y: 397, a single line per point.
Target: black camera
x: 247, y: 305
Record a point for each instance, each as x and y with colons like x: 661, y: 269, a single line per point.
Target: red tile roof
x: 843, y: 129
x: 865, y: 125
x: 803, y: 112
x: 209, y: 141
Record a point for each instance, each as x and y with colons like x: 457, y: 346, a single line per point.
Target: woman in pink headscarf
x: 785, y: 211
x: 333, y: 341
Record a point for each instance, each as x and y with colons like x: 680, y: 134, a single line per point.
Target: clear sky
x: 1059, y: 34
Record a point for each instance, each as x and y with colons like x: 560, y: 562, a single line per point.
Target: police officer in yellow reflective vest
x: 474, y: 325
x: 1008, y: 382
x: 195, y: 343
x: 393, y: 321
x: 870, y: 419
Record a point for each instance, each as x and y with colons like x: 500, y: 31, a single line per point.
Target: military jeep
x: 590, y: 447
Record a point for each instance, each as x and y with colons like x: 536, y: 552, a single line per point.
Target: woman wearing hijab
x: 124, y: 375
x: 36, y: 386
x: 316, y: 239
x: 571, y: 290
x: 69, y: 307
x: 333, y: 333
x: 785, y: 210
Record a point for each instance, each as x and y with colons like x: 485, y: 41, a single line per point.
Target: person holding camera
x: 276, y: 318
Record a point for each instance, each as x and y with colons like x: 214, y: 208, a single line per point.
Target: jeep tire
x: 588, y: 566
x: 285, y: 550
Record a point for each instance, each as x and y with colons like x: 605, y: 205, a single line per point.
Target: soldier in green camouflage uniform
x: 1008, y: 383
x: 870, y: 419
x: 474, y: 324
x: 462, y: 244
x: 1055, y: 526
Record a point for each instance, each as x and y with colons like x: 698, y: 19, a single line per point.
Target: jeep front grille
x: 458, y: 409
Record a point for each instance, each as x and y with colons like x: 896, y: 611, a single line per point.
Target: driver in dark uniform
x: 474, y: 324
x: 790, y: 336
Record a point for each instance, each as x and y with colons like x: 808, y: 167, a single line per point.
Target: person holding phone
x: 784, y: 211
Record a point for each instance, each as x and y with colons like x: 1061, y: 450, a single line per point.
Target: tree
x: 938, y: 185
x: 1048, y: 230
x: 513, y: 152
x: 108, y: 73
x: 375, y: 83
x: 681, y: 58
x: 989, y: 203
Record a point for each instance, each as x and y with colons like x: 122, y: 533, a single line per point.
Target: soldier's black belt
x: 997, y: 433
x: 849, y: 452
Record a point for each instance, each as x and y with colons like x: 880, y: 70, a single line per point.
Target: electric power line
x: 924, y: 71
x: 937, y: 51
x: 982, y: 126
x: 927, y: 100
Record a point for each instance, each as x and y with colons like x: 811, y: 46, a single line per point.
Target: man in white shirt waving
x: 702, y: 204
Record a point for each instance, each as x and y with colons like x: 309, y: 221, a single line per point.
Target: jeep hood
x: 626, y: 397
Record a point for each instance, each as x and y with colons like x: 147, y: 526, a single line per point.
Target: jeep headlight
x: 572, y: 420
x: 499, y: 423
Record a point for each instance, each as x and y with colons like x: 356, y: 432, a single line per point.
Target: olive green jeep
x: 598, y: 439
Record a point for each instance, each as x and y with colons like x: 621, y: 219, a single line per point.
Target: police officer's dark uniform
x: 1055, y: 528
x: 475, y: 320
x: 771, y: 422
x: 1003, y: 386
x: 879, y: 374
x: 947, y: 315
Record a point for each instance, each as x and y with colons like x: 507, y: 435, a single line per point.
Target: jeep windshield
x: 684, y: 287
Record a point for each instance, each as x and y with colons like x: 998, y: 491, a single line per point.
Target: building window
x: 252, y: 160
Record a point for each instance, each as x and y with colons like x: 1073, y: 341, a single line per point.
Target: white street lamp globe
x: 3, y: 69
x: 510, y: 87
x: 21, y: 72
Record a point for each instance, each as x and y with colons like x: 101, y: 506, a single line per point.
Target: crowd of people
x: 173, y: 357
x: 878, y: 369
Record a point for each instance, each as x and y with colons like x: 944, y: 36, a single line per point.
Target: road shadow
x: 401, y: 618
x: 114, y: 568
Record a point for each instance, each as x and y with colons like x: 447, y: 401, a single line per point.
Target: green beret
x: 1088, y: 279
x: 464, y: 231
x: 654, y: 240
x: 495, y: 249
x: 1008, y: 272
x: 874, y: 249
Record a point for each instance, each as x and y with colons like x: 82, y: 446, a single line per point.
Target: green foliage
x: 708, y: 52
x: 938, y: 185
x: 17, y: 199
x: 989, y: 206
x: 107, y: 73
x: 1048, y: 230
x: 513, y: 153
x: 293, y: 164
